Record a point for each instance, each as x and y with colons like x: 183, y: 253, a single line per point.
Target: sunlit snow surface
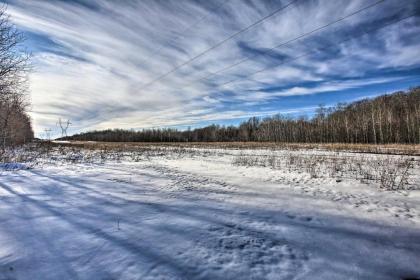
x: 200, y: 217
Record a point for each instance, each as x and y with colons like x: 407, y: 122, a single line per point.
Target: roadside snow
x: 201, y: 218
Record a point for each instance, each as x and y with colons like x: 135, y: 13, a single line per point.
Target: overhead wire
x: 219, y: 44
x: 322, y: 48
x: 185, y: 30
x: 264, y: 52
x: 285, y: 43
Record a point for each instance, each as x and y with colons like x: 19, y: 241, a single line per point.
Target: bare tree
x: 393, y: 118
x: 15, y: 125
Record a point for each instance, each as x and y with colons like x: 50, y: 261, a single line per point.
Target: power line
x: 288, y: 41
x: 324, y: 48
x: 284, y: 43
x: 203, y: 18
x: 294, y: 39
x: 218, y: 44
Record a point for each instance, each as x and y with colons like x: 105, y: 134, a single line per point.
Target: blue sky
x: 93, y: 61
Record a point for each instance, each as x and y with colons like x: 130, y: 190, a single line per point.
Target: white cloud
x: 95, y: 72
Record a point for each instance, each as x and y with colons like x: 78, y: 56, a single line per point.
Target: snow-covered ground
x: 198, y: 216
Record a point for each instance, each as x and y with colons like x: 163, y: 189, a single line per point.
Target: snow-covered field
x: 201, y: 215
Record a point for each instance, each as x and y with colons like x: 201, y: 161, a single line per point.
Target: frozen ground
x: 200, y: 217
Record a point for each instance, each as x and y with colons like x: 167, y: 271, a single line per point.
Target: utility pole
x: 64, y: 126
x: 48, y: 133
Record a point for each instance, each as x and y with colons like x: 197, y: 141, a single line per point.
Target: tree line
x: 392, y: 118
x: 15, y: 124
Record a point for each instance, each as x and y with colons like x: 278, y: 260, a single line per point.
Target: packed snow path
x: 191, y: 219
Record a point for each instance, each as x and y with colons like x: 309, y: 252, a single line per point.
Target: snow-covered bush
x: 391, y: 173
x: 395, y: 176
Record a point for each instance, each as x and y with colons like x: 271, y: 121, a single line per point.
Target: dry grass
x: 392, y: 149
x: 391, y: 172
